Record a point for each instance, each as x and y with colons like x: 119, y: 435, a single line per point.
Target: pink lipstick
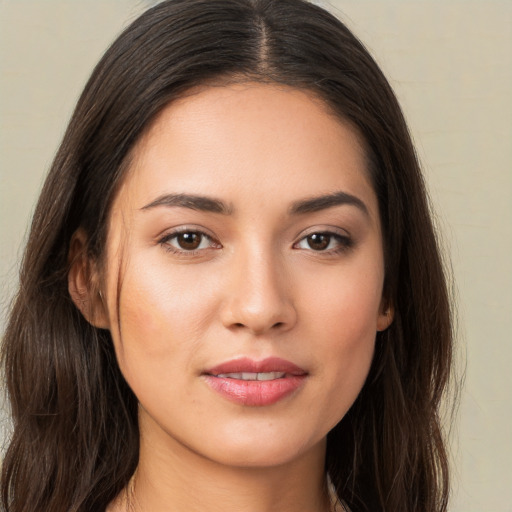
x: 255, y: 383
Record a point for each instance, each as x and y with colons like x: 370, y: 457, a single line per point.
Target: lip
x: 255, y: 392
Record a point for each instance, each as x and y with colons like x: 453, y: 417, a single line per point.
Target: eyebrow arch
x: 323, y: 202
x: 194, y: 202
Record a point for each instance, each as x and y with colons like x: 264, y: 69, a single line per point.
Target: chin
x: 263, y: 451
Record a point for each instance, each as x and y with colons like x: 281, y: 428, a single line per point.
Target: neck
x: 170, y: 476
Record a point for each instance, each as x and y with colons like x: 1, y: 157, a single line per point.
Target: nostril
x: 240, y: 325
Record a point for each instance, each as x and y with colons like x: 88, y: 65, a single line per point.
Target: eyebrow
x: 213, y: 205
x: 323, y: 202
x: 194, y: 202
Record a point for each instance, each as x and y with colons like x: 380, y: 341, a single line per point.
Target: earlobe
x: 83, y: 282
x: 386, y: 315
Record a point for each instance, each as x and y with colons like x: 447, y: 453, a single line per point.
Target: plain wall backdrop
x: 450, y: 63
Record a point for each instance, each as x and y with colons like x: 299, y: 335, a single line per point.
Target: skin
x: 256, y: 287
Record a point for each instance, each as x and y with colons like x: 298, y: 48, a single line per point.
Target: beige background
x: 450, y: 64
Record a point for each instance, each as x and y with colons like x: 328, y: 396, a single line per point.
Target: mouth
x: 250, y: 376
x: 255, y: 383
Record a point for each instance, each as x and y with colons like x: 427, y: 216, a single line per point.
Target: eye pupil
x: 318, y: 241
x: 189, y: 241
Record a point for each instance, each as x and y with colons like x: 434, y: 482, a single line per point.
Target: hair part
x: 75, y: 440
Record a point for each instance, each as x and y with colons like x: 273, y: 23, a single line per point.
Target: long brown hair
x: 75, y: 440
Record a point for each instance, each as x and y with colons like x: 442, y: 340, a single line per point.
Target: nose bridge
x: 260, y: 297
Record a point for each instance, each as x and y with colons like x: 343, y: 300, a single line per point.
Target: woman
x: 232, y: 296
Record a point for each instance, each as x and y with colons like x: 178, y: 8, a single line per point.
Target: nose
x: 260, y: 295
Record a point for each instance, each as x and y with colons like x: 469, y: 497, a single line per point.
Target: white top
x: 337, y: 505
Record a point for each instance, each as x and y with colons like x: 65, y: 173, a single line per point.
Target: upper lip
x: 247, y: 365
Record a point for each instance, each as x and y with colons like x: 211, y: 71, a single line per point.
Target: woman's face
x: 244, y: 274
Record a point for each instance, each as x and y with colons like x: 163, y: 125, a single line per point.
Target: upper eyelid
x: 170, y: 232
x: 328, y: 230
x: 328, y: 233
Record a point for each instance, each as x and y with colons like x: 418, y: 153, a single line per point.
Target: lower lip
x: 255, y: 392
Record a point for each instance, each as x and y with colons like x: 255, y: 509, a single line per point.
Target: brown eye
x: 189, y: 241
x: 318, y: 241
x: 325, y: 242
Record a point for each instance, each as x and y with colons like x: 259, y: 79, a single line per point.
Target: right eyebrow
x: 323, y: 202
x: 194, y: 202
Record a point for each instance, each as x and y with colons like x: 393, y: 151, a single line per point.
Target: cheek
x: 342, y: 316
x: 348, y: 328
x: 346, y: 304
x: 162, y: 313
x: 347, y: 356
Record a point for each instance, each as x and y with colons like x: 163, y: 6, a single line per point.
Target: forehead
x: 253, y: 141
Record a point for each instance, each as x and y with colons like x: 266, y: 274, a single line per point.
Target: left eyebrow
x: 318, y: 203
x: 194, y: 202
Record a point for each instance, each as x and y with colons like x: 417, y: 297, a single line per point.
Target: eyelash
x: 344, y: 242
x: 165, y: 242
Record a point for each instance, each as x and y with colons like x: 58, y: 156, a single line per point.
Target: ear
x: 83, y: 282
x: 386, y: 315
